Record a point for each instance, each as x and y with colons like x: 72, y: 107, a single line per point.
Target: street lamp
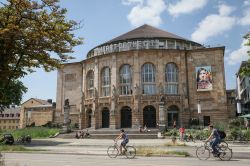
x: 238, y: 106
x: 199, y: 107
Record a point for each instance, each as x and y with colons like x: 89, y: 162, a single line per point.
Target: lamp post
x: 238, y: 101
x: 199, y: 110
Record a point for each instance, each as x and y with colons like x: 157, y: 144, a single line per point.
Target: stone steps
x: 111, y: 134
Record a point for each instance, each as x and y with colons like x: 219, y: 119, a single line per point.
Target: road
x: 28, y: 159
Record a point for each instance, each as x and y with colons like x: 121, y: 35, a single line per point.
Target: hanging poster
x: 204, y: 78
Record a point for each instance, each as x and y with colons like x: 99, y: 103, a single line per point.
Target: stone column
x: 66, y: 121
x: 162, y: 119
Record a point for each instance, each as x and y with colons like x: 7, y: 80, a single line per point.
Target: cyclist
x: 123, y: 136
x: 215, y: 140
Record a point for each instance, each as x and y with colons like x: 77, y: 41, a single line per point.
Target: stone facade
x: 96, y: 104
x: 37, y: 112
x: 9, y: 118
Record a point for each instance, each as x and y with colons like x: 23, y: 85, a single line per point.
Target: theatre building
x: 146, y: 76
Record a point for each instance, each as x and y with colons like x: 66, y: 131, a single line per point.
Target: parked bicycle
x: 129, y: 151
x: 240, y: 138
x: 204, y: 152
x: 25, y: 139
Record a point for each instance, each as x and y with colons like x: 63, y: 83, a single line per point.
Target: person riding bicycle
x: 215, y: 139
x: 123, y: 136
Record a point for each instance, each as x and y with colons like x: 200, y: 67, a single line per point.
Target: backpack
x: 222, y: 134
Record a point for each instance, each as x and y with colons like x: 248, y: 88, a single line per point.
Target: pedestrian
x: 182, y: 131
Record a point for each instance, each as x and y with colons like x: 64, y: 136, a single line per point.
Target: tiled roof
x: 146, y: 31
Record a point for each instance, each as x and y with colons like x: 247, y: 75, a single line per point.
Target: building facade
x: 36, y: 112
x: 243, y: 91
x: 9, y: 118
x: 146, y: 76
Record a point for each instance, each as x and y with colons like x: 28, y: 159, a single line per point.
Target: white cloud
x: 130, y: 2
x: 186, y: 6
x: 245, y: 20
x: 247, y: 2
x: 239, y: 55
x: 214, y: 24
x: 146, y: 12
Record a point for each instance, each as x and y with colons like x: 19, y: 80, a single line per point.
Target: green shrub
x: 34, y: 132
x: 236, y: 123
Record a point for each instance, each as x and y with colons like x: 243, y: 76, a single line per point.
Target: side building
x: 243, y: 91
x: 146, y: 76
x: 36, y: 112
x: 10, y: 118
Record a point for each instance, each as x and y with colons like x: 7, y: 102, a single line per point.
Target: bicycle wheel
x: 130, y: 152
x: 226, y: 154
x: 223, y: 145
x: 202, y: 153
x: 112, y: 151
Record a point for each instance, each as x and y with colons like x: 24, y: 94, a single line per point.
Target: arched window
x: 171, y: 79
x: 148, y: 79
x: 125, y: 80
x: 106, y: 82
x: 90, y: 84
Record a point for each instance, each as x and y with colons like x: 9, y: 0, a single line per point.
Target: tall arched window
x: 148, y: 79
x: 171, y: 79
x: 125, y: 80
x: 90, y: 83
x: 106, y: 82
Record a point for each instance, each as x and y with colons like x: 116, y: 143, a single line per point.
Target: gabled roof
x: 146, y: 31
x: 42, y: 102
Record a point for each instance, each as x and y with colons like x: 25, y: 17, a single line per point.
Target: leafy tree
x: 33, y: 34
x: 246, y: 68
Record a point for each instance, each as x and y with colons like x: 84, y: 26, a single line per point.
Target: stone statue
x: 136, y: 89
x: 114, y: 91
x: 160, y: 89
x: 66, y: 102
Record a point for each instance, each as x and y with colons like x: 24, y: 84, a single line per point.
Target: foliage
x: 222, y: 126
x: 246, y: 69
x: 35, y: 132
x: 149, y: 151
x: 33, y: 34
x: 12, y: 94
x: 236, y: 123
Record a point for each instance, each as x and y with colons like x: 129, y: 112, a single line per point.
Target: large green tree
x: 33, y: 34
x: 246, y: 69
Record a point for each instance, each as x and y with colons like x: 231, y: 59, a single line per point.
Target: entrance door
x: 149, y: 117
x: 89, y: 118
x: 105, y: 118
x: 173, y: 115
x: 126, y: 117
x: 206, y: 120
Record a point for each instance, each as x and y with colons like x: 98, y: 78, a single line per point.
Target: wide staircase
x: 113, y: 133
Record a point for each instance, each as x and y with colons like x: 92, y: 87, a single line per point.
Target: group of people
x: 82, y: 134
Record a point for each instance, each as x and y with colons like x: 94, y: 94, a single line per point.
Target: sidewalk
x: 99, y: 146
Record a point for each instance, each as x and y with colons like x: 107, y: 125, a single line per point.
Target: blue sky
x: 209, y: 22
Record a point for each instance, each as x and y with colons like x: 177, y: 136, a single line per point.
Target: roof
x: 42, y: 102
x: 146, y: 31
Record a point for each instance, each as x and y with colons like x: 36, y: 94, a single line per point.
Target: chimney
x: 50, y: 101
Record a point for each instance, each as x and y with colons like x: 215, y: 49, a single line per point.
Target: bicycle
x: 24, y: 139
x: 240, y: 138
x: 129, y: 152
x: 203, y: 152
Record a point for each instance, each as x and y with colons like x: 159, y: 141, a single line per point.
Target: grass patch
x: 16, y: 148
x: 150, y: 151
x: 175, y: 144
x: 34, y: 132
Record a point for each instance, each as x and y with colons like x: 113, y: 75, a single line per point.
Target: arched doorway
x: 105, y: 118
x: 173, y: 115
x: 149, y: 116
x: 89, y: 113
x: 126, y: 117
